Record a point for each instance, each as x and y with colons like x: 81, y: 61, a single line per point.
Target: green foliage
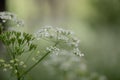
x: 107, y: 13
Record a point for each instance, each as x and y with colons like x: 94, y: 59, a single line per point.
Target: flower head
x: 64, y: 37
x: 7, y: 16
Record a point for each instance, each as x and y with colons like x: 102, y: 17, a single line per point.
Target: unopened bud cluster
x: 20, y: 42
x: 11, y: 64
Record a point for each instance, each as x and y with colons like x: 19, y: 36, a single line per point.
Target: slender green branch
x: 16, y: 68
x: 28, y: 57
x: 37, y: 62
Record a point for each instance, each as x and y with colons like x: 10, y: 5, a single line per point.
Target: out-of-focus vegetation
x: 107, y: 12
x: 96, y: 22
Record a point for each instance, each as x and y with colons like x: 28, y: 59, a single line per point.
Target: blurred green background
x: 95, y: 22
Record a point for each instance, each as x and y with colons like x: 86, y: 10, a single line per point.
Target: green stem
x: 16, y: 68
x: 36, y: 62
x: 18, y: 78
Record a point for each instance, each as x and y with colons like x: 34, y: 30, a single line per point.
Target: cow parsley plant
x: 22, y: 44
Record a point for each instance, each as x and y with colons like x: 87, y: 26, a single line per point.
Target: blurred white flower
x: 60, y: 35
x: 5, y: 16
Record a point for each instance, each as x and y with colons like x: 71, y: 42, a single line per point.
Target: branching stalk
x: 36, y: 62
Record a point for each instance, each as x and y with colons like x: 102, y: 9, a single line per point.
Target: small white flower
x: 48, y: 49
x: 3, y: 21
x: 76, y: 51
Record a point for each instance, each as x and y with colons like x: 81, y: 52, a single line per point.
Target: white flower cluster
x: 62, y: 31
x: 10, y: 65
x: 53, y: 32
x: 7, y: 16
x: 53, y: 49
x: 71, y: 65
x: 77, y: 52
x: 65, y: 61
x: 75, y: 42
x: 59, y: 35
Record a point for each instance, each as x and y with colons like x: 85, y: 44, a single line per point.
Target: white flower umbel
x: 7, y: 16
x: 64, y: 37
x: 70, y: 67
x: 66, y: 61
